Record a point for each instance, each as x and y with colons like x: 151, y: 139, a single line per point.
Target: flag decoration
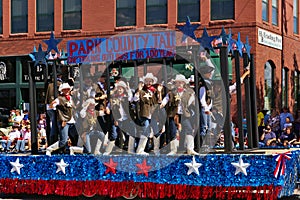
x: 120, y: 175
x: 281, y: 163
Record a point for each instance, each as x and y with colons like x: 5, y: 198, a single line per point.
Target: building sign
x: 122, y: 47
x: 37, y: 73
x: 269, y: 39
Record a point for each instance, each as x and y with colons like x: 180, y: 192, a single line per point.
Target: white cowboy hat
x: 121, y: 84
x: 64, y: 86
x: 150, y: 76
x: 180, y: 77
x: 88, y: 102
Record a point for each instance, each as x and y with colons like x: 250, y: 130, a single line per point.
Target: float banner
x: 122, y: 47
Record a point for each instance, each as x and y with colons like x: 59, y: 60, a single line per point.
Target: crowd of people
x: 121, y: 116
x: 278, y: 129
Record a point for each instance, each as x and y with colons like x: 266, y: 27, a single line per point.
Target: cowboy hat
x: 150, y: 76
x: 180, y: 77
x: 88, y: 102
x: 64, y: 86
x: 121, y: 84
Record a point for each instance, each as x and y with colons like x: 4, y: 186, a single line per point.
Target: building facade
x: 272, y: 27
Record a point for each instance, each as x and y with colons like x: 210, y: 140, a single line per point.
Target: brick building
x: 271, y: 25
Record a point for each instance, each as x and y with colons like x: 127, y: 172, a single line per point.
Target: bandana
x: 68, y: 97
x: 180, y: 90
x: 151, y: 88
x: 91, y: 112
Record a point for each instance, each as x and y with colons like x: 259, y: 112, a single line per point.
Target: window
x: 297, y: 90
x: 1, y: 18
x: 156, y: 12
x: 296, y: 19
x: 19, y: 16
x: 222, y: 9
x: 44, y: 15
x: 284, y: 86
x: 275, y: 12
x: 269, y: 86
x: 72, y: 14
x: 126, y: 12
x: 265, y: 13
x: 189, y: 8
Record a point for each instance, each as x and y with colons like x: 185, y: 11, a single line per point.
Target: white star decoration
x: 147, y: 95
x: 193, y: 166
x: 177, y: 97
x: 240, y: 166
x: 16, y: 166
x: 61, y: 166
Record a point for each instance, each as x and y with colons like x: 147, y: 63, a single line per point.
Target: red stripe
x: 143, y: 190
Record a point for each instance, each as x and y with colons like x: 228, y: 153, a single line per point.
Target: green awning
x: 215, y: 58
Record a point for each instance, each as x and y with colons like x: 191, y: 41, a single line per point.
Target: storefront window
x: 40, y: 98
x: 8, y: 98
x: 126, y: 12
x: 7, y: 70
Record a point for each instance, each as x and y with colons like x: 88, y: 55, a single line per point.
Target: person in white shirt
x: 119, y: 101
x: 185, y: 104
x: 12, y: 136
x: 64, y: 106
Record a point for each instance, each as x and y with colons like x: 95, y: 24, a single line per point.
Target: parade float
x: 248, y: 173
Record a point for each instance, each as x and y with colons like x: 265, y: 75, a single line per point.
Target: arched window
x: 269, y: 86
x: 284, y: 87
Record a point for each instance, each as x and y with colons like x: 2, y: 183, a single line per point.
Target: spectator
x: 283, y: 115
x: 11, y: 117
x: 287, y: 137
x: 268, y: 137
x: 260, y: 120
x: 25, y: 138
x: 287, y: 123
x: 274, y: 122
x: 297, y: 124
x: 12, y: 137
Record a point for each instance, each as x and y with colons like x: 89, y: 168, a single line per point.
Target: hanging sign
x: 122, y: 47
